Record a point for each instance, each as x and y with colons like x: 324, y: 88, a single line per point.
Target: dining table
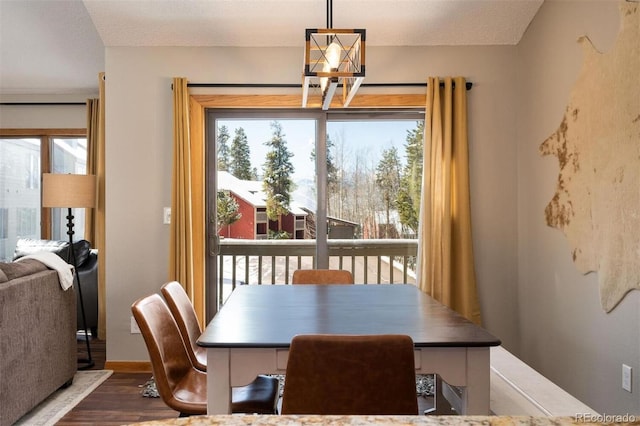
x: 251, y: 334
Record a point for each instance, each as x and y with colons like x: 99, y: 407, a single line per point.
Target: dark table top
x: 268, y: 316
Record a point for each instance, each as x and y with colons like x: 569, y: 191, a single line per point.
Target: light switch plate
x: 626, y: 377
x: 166, y: 218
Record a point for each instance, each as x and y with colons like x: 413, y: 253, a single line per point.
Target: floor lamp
x: 71, y: 191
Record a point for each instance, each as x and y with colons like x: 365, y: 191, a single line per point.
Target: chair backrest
x: 350, y: 375
x: 170, y: 361
x: 321, y: 276
x: 185, y: 316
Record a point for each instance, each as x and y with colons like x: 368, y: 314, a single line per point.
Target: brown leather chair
x: 350, y: 375
x: 321, y: 276
x: 180, y: 385
x: 185, y: 316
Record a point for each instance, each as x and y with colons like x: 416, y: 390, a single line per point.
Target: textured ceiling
x: 282, y: 22
x: 57, y: 46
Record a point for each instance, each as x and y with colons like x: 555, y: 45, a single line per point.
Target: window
x: 19, y: 191
x: 69, y: 155
x: 21, y: 166
x: 27, y: 222
x: 4, y: 232
x: 370, y: 158
x: 371, y: 163
x: 265, y: 164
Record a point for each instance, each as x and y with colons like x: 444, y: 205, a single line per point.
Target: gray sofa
x: 87, y: 262
x: 38, y: 348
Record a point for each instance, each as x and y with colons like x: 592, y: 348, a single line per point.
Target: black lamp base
x: 71, y: 257
x: 85, y: 364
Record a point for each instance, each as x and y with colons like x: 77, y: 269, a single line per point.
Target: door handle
x: 214, y: 245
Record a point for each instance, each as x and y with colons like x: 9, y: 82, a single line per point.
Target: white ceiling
x: 57, y: 46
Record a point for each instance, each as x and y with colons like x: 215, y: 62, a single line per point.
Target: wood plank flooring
x: 119, y: 401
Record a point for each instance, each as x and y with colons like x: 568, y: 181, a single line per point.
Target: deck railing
x: 383, y: 261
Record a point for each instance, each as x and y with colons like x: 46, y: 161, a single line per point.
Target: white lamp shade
x: 67, y: 190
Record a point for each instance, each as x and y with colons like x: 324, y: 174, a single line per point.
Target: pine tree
x: 278, y: 170
x: 223, y: 149
x: 228, y: 210
x: 240, y: 165
x: 388, y: 181
x: 408, y: 200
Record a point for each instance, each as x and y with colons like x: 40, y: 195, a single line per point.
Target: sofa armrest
x: 38, y: 353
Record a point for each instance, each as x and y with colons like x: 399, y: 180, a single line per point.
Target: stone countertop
x: 290, y: 420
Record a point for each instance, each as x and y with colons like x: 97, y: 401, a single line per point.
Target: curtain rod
x: 468, y: 85
x: 42, y: 103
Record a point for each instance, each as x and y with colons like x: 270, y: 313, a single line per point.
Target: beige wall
x: 139, y: 143
x: 564, y: 333
x: 43, y: 117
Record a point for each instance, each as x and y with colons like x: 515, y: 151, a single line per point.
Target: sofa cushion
x: 13, y: 270
x: 3, y: 277
x: 27, y: 246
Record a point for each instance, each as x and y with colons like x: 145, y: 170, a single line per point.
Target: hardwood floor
x: 118, y: 400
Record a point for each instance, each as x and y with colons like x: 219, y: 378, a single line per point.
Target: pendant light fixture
x: 332, y: 57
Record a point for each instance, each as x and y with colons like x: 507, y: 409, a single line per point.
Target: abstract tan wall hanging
x: 597, y: 199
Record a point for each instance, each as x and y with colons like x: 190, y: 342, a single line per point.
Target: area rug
x: 149, y: 389
x: 424, y: 386
x: 52, y: 409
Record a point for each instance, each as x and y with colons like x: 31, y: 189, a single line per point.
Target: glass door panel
x: 374, y: 178
x: 266, y: 191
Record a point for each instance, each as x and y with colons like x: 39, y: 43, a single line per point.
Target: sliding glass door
x: 283, y: 183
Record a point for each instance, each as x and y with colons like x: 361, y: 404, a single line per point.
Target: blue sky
x: 368, y: 138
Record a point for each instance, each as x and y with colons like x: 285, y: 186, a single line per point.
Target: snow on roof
x: 249, y: 190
